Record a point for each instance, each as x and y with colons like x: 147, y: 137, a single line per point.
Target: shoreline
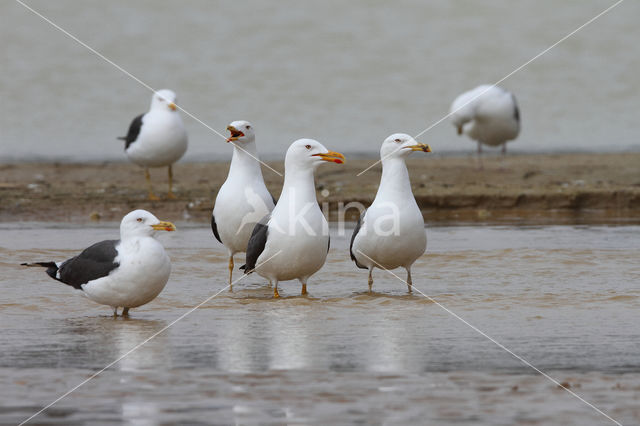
x: 524, y: 189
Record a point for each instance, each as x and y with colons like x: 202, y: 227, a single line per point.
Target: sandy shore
x: 563, y: 188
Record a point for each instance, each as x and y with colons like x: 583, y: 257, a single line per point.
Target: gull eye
x: 247, y: 127
x: 308, y: 146
x: 139, y: 219
x: 398, y: 140
x: 161, y: 99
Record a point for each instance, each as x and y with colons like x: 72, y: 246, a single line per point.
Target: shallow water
x: 564, y: 298
x: 345, y: 73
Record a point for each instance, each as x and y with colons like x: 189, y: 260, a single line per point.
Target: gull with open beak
x: 127, y: 273
x: 293, y: 241
x: 391, y: 234
x: 157, y: 138
x: 243, y: 199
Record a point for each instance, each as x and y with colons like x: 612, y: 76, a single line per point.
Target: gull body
x: 293, y: 241
x: 243, y: 198
x: 391, y: 234
x: 157, y: 138
x: 127, y: 273
x: 487, y: 114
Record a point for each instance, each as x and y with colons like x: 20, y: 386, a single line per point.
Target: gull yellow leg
x: 409, y: 282
x: 170, y: 194
x: 304, y: 289
x: 370, y: 280
x: 275, y: 291
x: 125, y: 312
x: 230, y: 273
x: 152, y: 196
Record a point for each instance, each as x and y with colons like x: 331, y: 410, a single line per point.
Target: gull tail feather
x: 52, y: 267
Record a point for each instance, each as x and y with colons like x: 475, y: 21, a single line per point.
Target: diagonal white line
x: 501, y: 80
x: 500, y: 345
x: 139, y: 345
x: 133, y: 77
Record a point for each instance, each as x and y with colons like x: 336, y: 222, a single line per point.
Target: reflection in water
x: 562, y: 297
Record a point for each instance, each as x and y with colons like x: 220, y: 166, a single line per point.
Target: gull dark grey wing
x: 134, y: 131
x: 256, y: 244
x: 353, y: 237
x: 214, y: 228
x: 94, y: 262
x: 516, y: 110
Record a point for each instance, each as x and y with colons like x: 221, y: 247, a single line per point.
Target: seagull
x: 390, y: 234
x: 492, y: 115
x: 243, y: 199
x: 127, y: 273
x: 157, y: 138
x: 293, y: 241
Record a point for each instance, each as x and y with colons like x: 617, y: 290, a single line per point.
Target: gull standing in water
x: 391, y: 234
x: 293, y: 241
x: 157, y: 138
x: 126, y: 273
x: 487, y: 114
x: 243, y: 199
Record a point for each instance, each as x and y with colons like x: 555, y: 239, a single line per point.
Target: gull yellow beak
x: 235, y: 134
x: 420, y: 147
x: 460, y: 129
x: 173, y: 106
x: 164, y: 226
x: 331, y: 156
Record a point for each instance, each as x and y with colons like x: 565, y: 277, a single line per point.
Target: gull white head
x: 241, y: 131
x: 462, y: 111
x: 399, y: 145
x: 309, y: 154
x: 164, y: 99
x: 141, y: 223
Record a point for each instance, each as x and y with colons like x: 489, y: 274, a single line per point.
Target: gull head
x: 400, y: 145
x: 164, y: 99
x: 141, y: 223
x: 309, y: 153
x: 241, y: 131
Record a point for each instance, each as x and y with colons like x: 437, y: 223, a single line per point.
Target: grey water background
x: 345, y: 73
x: 565, y: 298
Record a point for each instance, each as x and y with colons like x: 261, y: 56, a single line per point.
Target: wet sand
x: 557, y: 188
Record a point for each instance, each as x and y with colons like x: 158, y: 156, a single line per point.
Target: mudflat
x: 594, y: 188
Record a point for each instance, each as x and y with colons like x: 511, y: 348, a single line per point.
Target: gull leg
x: 152, y: 196
x: 370, y: 279
x: 304, y: 287
x: 409, y: 282
x: 504, y: 155
x: 230, y: 272
x: 125, y: 312
x: 115, y: 311
x: 276, y: 295
x: 170, y: 194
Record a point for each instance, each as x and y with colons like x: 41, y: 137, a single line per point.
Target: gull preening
x: 293, y: 241
x: 488, y: 114
x: 126, y: 273
x: 391, y: 234
x: 157, y: 138
x: 243, y: 199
